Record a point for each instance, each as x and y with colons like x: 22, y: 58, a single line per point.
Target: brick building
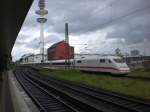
x: 60, y: 50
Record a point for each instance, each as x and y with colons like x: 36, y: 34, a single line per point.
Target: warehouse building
x: 60, y: 50
x: 27, y: 58
x: 138, y: 61
x: 32, y: 58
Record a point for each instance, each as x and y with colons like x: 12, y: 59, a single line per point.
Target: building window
x: 79, y: 61
x: 102, y: 60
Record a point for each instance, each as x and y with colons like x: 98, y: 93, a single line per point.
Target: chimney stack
x: 66, y: 33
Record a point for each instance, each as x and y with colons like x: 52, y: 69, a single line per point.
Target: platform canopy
x: 12, y: 16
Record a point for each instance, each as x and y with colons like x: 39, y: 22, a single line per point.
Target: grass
x: 141, y: 72
x: 132, y: 87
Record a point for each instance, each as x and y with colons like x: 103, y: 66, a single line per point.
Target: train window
x: 109, y: 61
x: 79, y: 61
x: 62, y: 63
x: 119, y: 60
x: 102, y: 60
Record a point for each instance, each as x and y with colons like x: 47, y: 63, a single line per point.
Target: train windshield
x: 119, y: 60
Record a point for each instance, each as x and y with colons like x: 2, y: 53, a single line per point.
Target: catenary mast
x: 41, y: 12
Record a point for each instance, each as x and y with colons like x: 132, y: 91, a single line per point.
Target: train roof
x: 83, y: 58
x: 97, y: 57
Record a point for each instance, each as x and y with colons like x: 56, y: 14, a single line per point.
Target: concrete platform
x: 14, y: 98
x: 21, y: 101
x: 6, y: 102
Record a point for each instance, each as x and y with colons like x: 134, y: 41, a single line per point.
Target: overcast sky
x: 95, y: 26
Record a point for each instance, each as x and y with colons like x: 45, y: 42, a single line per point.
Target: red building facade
x: 60, y: 50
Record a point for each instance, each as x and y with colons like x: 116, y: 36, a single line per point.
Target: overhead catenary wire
x: 119, y: 18
x: 125, y: 15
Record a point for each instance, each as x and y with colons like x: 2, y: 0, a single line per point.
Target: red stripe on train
x: 100, y: 67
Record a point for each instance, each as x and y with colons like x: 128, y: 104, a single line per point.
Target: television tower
x: 41, y: 12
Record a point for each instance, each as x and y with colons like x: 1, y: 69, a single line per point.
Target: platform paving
x: 6, y: 101
x: 22, y: 102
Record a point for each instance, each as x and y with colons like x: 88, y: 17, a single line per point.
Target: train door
x: 102, y: 65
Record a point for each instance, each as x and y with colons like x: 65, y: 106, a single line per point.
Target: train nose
x: 124, y: 69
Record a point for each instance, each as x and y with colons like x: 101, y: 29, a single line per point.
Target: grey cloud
x: 21, y: 40
x: 35, y: 43
x: 18, y: 43
x: 134, y: 30
x: 87, y: 16
x: 22, y: 37
x: 52, y: 39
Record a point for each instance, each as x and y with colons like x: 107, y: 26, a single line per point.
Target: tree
x: 118, y: 52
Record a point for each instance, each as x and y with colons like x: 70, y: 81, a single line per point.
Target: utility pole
x: 144, y: 47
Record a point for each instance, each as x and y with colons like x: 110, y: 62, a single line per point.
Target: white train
x: 110, y: 64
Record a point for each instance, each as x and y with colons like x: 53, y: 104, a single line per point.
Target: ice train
x: 110, y: 64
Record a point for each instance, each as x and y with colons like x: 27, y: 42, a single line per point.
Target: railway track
x: 50, y: 100
x: 41, y: 97
x: 90, y: 99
